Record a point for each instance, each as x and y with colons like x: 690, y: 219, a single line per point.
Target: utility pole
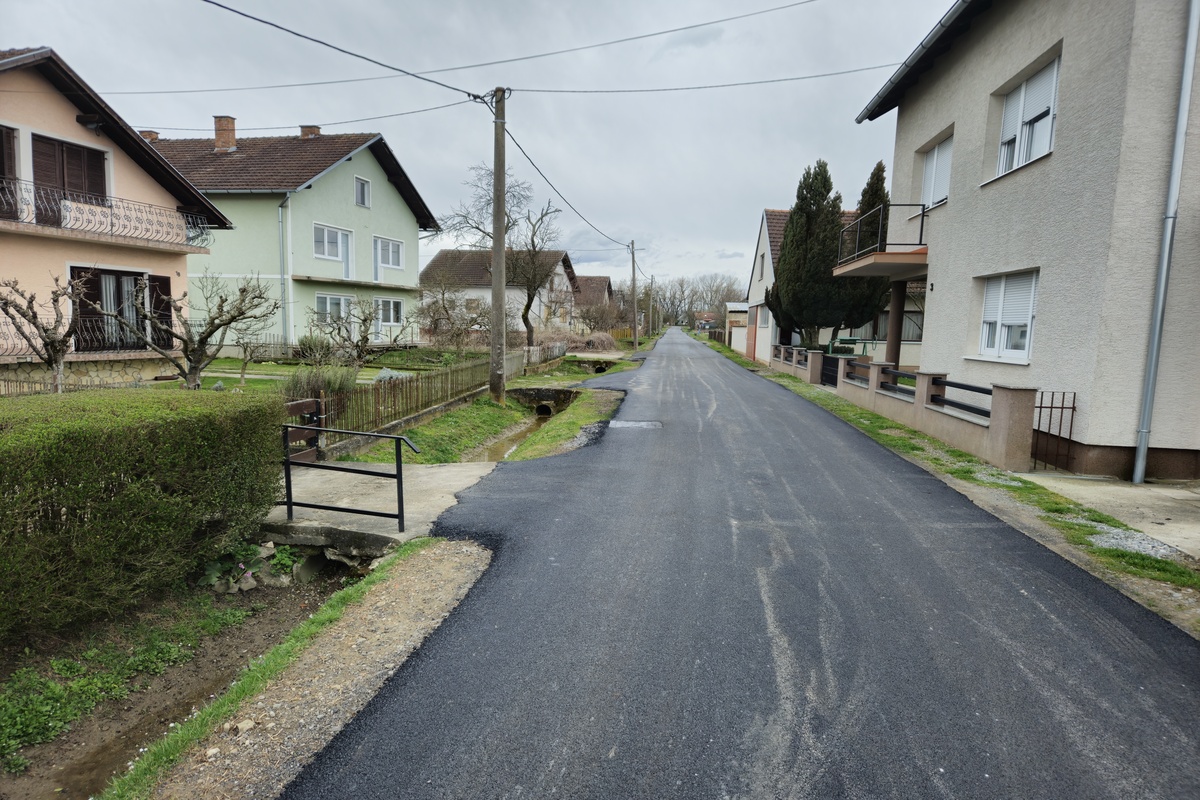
x: 633, y: 291
x: 499, y: 328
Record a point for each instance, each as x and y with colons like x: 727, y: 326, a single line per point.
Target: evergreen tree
x: 783, y: 322
x: 808, y: 293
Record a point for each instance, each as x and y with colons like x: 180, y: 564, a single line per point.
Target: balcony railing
x: 23, y: 201
x: 869, y: 233
x: 92, y: 335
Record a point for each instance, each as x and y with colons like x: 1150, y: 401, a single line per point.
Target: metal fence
x: 1053, y: 428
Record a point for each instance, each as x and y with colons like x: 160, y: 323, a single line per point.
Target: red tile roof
x: 285, y: 164
x: 776, y: 222
x: 474, y: 267
x: 594, y: 290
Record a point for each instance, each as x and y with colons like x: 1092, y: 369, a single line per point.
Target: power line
x: 465, y: 66
x: 322, y: 124
x: 705, y: 86
x: 343, y: 50
x: 556, y: 191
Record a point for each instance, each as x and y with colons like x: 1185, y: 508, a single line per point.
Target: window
x: 935, y: 187
x: 75, y: 169
x: 388, y: 253
x: 333, y: 244
x: 391, y: 312
x: 1009, y: 302
x: 362, y: 192
x: 9, y: 207
x: 331, y: 307
x: 762, y: 265
x: 763, y: 316
x: 117, y: 291
x: 1027, y: 127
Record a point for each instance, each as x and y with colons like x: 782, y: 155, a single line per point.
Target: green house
x: 321, y: 219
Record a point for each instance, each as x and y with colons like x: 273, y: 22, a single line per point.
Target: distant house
x: 761, y: 332
x: 470, y: 272
x: 323, y: 219
x: 1034, y: 146
x: 706, y: 320
x: 82, y: 196
x: 735, y: 326
x: 594, y: 290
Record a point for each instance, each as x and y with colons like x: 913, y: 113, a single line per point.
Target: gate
x: 829, y: 370
x: 1053, y: 424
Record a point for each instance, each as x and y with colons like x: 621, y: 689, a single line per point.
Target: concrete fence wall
x: 1005, y: 439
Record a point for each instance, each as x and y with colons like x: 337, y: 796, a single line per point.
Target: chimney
x: 149, y: 136
x: 310, y: 131
x: 226, y: 137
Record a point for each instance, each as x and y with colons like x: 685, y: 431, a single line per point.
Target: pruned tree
x: 529, y: 234
x: 445, y: 311
x: 43, y: 326
x: 191, y: 344
x: 599, y: 317
x: 248, y: 338
x: 352, y: 334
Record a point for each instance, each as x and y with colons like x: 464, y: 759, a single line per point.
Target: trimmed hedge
x: 109, y: 496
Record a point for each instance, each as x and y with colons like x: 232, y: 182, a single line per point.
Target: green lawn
x: 445, y: 439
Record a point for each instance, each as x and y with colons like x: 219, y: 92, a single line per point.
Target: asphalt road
x: 755, y: 600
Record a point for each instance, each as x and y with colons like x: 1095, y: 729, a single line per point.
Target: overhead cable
x: 322, y: 124
x: 707, y: 86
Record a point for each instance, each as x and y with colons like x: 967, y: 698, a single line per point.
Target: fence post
x: 815, y: 359
x: 925, y: 388
x: 287, y: 471
x: 876, y: 378
x: 1010, y: 434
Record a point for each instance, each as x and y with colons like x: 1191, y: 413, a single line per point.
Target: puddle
x: 500, y: 449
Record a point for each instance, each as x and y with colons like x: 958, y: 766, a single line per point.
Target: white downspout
x: 283, y: 287
x: 1150, y: 380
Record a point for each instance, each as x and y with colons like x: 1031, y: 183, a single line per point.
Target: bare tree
x: 530, y: 266
x: 190, y: 345
x: 470, y: 222
x: 43, y: 326
x: 248, y: 338
x: 599, y: 317
x: 353, y: 333
x: 451, y: 317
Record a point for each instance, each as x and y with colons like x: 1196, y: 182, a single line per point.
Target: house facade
x: 1038, y: 134
x: 83, y: 197
x: 469, y: 273
x: 761, y: 331
x: 323, y: 220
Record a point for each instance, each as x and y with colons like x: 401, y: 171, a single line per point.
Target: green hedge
x: 109, y: 496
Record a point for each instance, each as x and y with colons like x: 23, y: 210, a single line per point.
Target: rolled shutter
x: 927, y: 180
x: 1018, y: 299
x: 74, y: 168
x: 1039, y: 93
x: 941, y: 180
x: 1012, y: 114
x: 160, y: 306
x: 94, y: 173
x: 47, y: 162
x: 991, y: 299
x: 8, y: 153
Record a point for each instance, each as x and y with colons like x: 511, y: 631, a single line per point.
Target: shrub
x: 111, y: 496
x: 311, y: 381
x: 314, y: 349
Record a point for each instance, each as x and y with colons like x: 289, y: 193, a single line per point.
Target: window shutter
x: 927, y: 182
x: 1039, y: 93
x: 47, y: 163
x: 991, y: 299
x: 941, y: 180
x: 8, y: 153
x: 1018, y: 299
x: 74, y: 171
x: 1012, y: 114
x: 160, y: 306
x: 94, y: 173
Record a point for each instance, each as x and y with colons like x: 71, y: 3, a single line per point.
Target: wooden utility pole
x: 633, y: 291
x: 499, y: 327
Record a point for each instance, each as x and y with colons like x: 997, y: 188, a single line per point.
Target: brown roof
x: 51, y: 66
x: 474, y: 267
x: 848, y: 217
x: 594, y: 289
x: 776, y: 222
x: 285, y: 164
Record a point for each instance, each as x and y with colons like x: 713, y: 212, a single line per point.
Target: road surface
x: 735, y: 594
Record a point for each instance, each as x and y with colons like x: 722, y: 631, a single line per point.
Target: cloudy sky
x: 686, y: 174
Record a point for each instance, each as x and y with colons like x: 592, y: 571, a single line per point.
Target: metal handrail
x: 966, y: 387
x: 290, y: 502
x: 52, y: 206
x: 881, y: 243
x: 942, y: 400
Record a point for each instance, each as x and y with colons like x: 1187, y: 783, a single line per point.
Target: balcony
x: 93, y: 336
x: 864, y: 248
x: 62, y: 209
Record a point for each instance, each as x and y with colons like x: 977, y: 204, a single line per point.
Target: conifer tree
x: 865, y: 297
x: 807, y: 291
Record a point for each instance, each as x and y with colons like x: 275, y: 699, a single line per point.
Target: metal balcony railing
x: 92, y: 335
x: 869, y: 233
x: 23, y: 201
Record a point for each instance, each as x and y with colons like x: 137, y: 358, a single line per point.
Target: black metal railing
x: 1053, y: 429
x: 93, y: 334
x: 942, y: 400
x: 851, y: 373
x: 895, y: 385
x: 869, y: 233
x: 298, y: 433
x: 24, y: 201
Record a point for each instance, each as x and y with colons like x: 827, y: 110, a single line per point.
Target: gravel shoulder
x: 331, y: 681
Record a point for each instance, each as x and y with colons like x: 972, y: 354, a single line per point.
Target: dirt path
x: 331, y: 681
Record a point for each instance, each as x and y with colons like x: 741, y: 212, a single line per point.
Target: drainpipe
x: 283, y: 304
x: 1168, y: 242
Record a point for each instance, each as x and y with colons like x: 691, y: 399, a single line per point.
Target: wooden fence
x: 14, y: 387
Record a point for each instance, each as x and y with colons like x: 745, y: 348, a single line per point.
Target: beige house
x: 469, y: 272
x: 83, y: 196
x: 1038, y: 135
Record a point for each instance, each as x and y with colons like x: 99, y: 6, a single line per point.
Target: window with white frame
x: 1009, y: 304
x: 763, y: 317
x: 935, y: 186
x: 331, y: 307
x: 362, y: 192
x: 330, y: 242
x: 762, y: 265
x: 1027, y: 126
x: 389, y: 253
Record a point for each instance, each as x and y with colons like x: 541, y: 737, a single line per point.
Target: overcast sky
x: 685, y: 174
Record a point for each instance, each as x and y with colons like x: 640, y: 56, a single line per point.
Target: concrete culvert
x: 601, y: 369
x: 544, y: 410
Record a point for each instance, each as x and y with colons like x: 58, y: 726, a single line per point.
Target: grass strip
x: 590, y: 407
x: 140, y: 780
x: 1078, y: 523
x: 444, y: 439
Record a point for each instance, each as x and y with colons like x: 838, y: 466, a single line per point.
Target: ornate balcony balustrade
x: 23, y: 201
x: 92, y: 335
